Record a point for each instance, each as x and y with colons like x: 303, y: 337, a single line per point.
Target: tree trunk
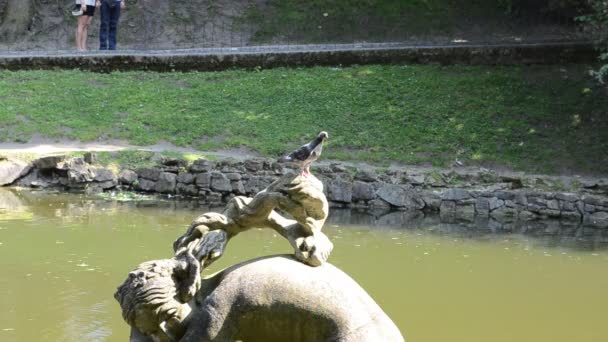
x: 16, y: 19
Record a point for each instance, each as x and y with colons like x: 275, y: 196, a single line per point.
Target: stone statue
x: 299, y: 196
x: 267, y: 299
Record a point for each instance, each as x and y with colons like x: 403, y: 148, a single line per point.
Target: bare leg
x: 82, y: 20
x: 85, y: 32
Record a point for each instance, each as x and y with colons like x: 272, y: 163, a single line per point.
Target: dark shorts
x: 89, y: 11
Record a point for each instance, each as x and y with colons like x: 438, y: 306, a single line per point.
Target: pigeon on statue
x: 305, y: 155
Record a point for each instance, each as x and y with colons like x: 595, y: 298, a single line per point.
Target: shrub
x: 595, y: 22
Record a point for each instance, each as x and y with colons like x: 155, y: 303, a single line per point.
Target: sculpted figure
x: 267, y: 299
x: 299, y: 196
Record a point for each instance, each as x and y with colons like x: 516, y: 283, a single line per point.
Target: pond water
x: 62, y: 257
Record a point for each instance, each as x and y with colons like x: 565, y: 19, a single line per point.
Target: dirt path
x: 40, y: 146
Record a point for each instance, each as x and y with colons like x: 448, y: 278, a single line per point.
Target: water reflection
x: 547, y: 233
x: 72, y: 209
x: 62, y: 256
x: 12, y: 206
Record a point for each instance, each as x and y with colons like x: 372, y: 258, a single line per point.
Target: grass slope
x: 326, y: 21
x: 537, y: 118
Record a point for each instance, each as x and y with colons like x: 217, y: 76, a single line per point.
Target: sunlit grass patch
x: 525, y: 117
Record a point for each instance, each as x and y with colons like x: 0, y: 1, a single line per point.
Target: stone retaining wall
x: 308, y: 55
x: 452, y: 195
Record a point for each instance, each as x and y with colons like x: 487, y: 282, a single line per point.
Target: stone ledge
x: 308, y: 55
x: 453, y: 195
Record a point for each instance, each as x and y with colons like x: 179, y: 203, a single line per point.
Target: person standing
x: 84, y: 20
x: 110, y: 13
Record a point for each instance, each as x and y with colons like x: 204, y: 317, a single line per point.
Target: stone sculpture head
x: 151, y: 301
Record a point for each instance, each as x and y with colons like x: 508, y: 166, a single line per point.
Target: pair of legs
x: 110, y: 13
x: 84, y: 21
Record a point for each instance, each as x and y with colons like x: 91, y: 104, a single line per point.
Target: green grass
x: 134, y: 159
x: 536, y: 118
x: 318, y: 21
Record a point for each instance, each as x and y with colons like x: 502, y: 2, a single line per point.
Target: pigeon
x: 305, y: 155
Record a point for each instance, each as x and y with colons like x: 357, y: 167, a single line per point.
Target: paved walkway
x: 287, y: 49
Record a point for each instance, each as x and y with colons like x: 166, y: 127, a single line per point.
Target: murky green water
x: 62, y: 256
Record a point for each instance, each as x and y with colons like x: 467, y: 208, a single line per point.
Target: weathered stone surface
x: 435, y: 180
x: 79, y: 173
x: 363, y: 191
x: 568, y: 206
x: 482, y: 205
x: 339, y: 191
x: 238, y: 187
x: 254, y: 165
x: 166, y: 183
x: 571, y: 215
x: 595, y: 200
x: 36, y: 179
x: 48, y: 162
x: 534, y: 208
x: 379, y: 204
x: 566, y: 197
x: 447, y: 206
x: 219, y: 182
x: 256, y: 184
x: 127, y: 177
x: 106, y: 184
x: 550, y: 213
x: 323, y: 170
x: 203, y: 180
x: 415, y: 179
x: 504, y: 195
x: 431, y: 199
x: 241, y: 299
x: 589, y: 208
x: 521, y: 199
x: 455, y: 195
x: 145, y: 184
x: 599, y: 220
x: 148, y: 173
x: 213, y: 197
x: 337, y: 168
x: 397, y: 188
x: 185, y: 177
x: 103, y: 175
x: 186, y: 189
x: 398, y: 196
x: 201, y: 165
x: 495, y: 203
x: 537, y: 201
x: 233, y: 176
x: 526, y: 215
x: 171, y: 169
x: 93, y: 189
x: 503, y: 212
x: 553, y: 204
x: 465, y: 211
x: 11, y: 170
x: 366, y: 175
